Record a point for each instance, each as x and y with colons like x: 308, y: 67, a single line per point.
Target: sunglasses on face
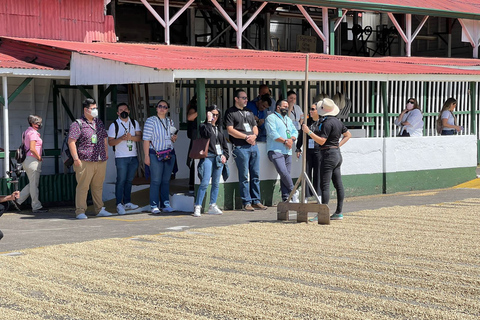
x: 162, y: 107
x: 412, y: 102
x: 313, y: 109
x: 215, y: 114
x: 243, y: 98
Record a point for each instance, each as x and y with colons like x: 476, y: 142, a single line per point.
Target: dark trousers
x: 283, y: 165
x: 314, y: 158
x: 330, y: 170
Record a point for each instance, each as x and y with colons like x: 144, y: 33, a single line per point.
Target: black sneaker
x: 41, y: 210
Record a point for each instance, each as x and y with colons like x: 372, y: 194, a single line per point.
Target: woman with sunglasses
x: 158, y: 138
x: 212, y: 165
x: 33, y: 163
x: 410, y: 120
x: 313, y: 154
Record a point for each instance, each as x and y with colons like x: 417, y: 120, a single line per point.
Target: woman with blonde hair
x: 446, y: 122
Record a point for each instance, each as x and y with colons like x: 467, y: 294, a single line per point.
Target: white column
x: 326, y: 32
x: 239, y: 24
x: 166, y: 16
x: 6, y: 131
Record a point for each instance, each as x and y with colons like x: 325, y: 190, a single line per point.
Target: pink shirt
x: 33, y: 135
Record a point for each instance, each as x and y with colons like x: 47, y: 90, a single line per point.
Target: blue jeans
x: 448, y: 132
x: 283, y: 164
x: 247, y: 159
x: 330, y: 170
x: 126, y: 169
x: 209, y: 171
x: 160, y: 174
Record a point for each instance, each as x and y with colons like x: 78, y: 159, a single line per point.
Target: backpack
x: 66, y: 151
x: 21, y: 152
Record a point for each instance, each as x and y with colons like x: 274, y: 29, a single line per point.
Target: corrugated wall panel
x: 49, y: 14
x: 56, y: 19
x: 16, y: 25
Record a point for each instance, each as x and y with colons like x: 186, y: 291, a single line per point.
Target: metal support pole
x: 166, y: 15
x: 473, y: 108
x: 326, y: 44
x: 239, y: 24
x: 6, y: 131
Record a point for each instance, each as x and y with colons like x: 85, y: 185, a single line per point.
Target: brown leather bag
x: 199, y: 148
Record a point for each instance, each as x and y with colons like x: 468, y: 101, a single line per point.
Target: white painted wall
x: 378, y: 155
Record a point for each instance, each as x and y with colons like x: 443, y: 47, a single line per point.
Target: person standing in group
x: 331, y: 131
x: 281, y: 136
x: 410, y: 120
x: 260, y: 112
x: 123, y: 136
x: 294, y: 111
x: 87, y: 141
x: 159, y: 134
x: 447, y: 122
x: 212, y: 165
x: 243, y: 131
x: 33, y: 164
x: 313, y: 154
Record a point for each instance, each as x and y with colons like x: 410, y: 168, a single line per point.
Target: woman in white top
x: 294, y: 111
x: 446, y: 119
x: 410, y: 120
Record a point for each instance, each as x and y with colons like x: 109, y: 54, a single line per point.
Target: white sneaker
x: 130, y: 206
x: 82, y: 216
x: 197, y: 211
x: 155, y: 210
x: 214, y: 209
x: 167, y: 207
x: 120, y: 209
x: 295, y: 198
x: 104, y: 213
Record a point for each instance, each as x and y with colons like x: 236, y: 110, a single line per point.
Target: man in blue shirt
x: 259, y: 109
x: 281, y: 137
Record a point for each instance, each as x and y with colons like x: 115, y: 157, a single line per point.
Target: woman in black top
x: 313, y: 154
x: 212, y: 165
x: 333, y: 135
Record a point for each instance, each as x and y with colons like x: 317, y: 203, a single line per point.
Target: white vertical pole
x: 239, y: 24
x: 326, y: 32
x: 6, y: 132
x: 166, y: 17
x: 408, y: 29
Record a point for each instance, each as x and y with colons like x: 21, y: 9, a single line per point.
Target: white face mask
x: 94, y: 113
x: 409, y: 106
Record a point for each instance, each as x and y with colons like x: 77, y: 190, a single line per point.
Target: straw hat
x: 327, y: 107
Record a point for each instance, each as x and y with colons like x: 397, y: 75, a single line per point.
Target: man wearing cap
x: 331, y: 131
x: 281, y: 136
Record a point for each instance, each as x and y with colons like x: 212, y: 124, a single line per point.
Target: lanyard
x: 129, y: 125
x: 163, y: 125
x: 284, y: 121
x: 94, y: 127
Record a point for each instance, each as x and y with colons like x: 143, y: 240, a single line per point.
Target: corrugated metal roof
x: 9, y: 62
x: 442, y: 8
x: 222, y: 62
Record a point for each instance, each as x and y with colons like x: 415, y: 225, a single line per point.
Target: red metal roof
x: 468, y: 9
x: 7, y: 62
x: 162, y: 57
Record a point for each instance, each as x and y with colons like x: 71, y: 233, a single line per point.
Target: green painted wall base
x: 55, y: 188
x: 355, y: 185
